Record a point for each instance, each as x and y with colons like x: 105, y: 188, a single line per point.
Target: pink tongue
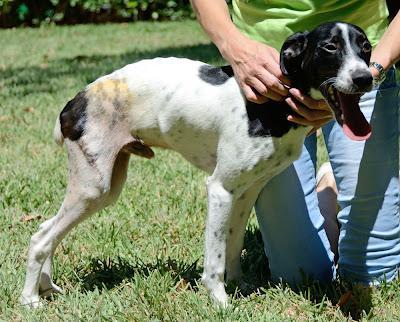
x: 355, y: 126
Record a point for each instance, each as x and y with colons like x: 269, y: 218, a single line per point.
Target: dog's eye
x: 331, y: 48
x: 366, y: 47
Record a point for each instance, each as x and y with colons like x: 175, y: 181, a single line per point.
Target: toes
x: 32, y: 302
x: 216, y: 290
x: 54, y: 289
x: 221, y: 299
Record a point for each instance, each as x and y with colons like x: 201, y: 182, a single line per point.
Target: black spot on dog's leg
x: 92, y: 158
x: 73, y: 117
x: 215, y: 75
x: 168, y: 97
x: 219, y: 255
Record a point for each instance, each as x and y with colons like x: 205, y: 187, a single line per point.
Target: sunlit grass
x: 142, y: 258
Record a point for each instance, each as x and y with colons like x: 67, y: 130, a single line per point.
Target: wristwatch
x: 382, y: 73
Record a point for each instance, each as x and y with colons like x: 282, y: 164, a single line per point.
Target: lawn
x: 140, y: 259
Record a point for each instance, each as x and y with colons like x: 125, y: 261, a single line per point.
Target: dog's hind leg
x: 95, y: 180
x: 119, y: 174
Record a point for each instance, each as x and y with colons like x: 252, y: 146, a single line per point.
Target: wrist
x: 374, y: 71
x: 378, y: 72
x: 232, y: 44
x: 382, y: 58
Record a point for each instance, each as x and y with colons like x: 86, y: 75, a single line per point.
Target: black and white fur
x: 199, y: 111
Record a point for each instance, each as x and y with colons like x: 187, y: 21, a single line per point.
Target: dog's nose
x: 362, y: 79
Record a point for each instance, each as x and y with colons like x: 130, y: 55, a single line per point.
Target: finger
x: 272, y: 65
x: 260, y: 87
x: 272, y: 82
x: 308, y: 101
x: 312, y: 131
x: 307, y: 113
x: 252, y: 96
x: 302, y: 121
x: 275, y: 55
x: 275, y: 69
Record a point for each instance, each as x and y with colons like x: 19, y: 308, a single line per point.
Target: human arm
x: 256, y: 65
x: 387, y: 51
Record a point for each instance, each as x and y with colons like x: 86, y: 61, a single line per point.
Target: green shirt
x: 272, y: 21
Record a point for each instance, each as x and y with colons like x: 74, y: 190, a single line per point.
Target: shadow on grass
x: 56, y: 75
x: 354, y: 301
x: 109, y: 273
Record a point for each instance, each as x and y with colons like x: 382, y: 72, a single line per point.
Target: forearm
x: 256, y: 65
x: 387, y: 52
x: 214, y: 17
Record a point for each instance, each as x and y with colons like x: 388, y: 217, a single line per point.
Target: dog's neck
x: 297, y: 80
x: 270, y: 118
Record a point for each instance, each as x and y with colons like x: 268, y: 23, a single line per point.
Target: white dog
x: 199, y: 111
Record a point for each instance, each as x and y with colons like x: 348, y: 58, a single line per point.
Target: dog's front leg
x: 237, y: 229
x: 219, y: 212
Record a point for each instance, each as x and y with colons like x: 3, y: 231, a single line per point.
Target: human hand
x: 309, y: 112
x: 256, y: 67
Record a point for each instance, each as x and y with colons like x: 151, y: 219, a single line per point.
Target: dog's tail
x: 57, y: 134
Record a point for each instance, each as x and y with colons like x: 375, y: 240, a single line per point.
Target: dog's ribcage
x: 170, y: 106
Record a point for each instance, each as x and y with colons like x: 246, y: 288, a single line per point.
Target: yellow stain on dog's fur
x: 109, y: 94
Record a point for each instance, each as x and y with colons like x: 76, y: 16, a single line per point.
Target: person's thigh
x: 291, y: 224
x: 367, y: 178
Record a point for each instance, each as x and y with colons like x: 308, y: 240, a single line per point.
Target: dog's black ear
x: 292, y: 53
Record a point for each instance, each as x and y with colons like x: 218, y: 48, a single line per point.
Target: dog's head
x: 332, y: 60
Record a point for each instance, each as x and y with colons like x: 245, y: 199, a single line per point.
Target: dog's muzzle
x: 347, y: 111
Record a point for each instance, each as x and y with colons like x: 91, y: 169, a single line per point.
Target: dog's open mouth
x: 347, y: 112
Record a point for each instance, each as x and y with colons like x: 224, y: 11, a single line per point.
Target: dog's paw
x: 220, y: 299
x: 30, y: 302
x: 53, y: 289
x: 216, y: 289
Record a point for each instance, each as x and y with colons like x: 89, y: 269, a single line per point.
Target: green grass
x: 142, y: 258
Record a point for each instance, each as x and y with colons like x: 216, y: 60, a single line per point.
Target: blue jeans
x: 367, y: 176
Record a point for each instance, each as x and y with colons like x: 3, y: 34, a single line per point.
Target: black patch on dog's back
x: 73, y: 117
x: 215, y: 75
x: 269, y: 119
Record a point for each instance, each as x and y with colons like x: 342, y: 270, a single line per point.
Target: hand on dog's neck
x: 303, y: 86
